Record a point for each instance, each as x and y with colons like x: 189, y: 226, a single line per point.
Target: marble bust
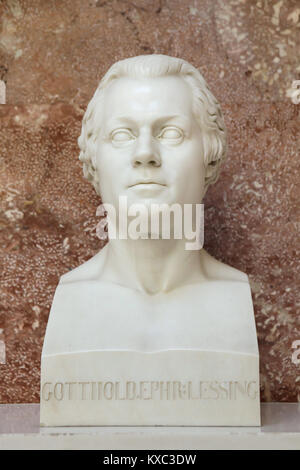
x: 146, y: 331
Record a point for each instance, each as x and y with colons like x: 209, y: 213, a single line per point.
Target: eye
x: 122, y: 135
x: 171, y: 133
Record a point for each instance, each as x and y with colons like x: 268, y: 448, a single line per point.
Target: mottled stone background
x: 52, y: 55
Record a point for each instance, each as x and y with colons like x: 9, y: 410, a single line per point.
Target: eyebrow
x: 128, y: 120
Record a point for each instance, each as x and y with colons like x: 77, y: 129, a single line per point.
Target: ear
x: 211, y: 172
x: 94, y: 160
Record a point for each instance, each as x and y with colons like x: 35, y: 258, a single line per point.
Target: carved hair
x: 207, y: 110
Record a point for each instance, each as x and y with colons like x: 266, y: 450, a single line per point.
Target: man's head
x: 156, y: 84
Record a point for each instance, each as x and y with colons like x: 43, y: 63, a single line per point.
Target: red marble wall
x: 52, y: 56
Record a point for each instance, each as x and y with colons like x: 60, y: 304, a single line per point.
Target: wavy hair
x: 206, y: 109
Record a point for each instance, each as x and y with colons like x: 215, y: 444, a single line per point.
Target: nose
x: 146, y: 152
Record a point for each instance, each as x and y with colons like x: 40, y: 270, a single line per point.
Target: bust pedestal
x: 115, y: 356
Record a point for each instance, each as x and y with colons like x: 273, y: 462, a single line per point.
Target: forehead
x: 139, y: 98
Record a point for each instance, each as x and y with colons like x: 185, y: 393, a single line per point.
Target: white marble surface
x: 169, y: 388
x: 19, y: 429
x: 152, y: 309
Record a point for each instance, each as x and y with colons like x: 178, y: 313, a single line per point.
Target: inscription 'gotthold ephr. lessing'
x: 146, y: 311
x: 144, y: 390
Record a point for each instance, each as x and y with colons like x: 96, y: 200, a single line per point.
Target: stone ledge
x: 280, y: 430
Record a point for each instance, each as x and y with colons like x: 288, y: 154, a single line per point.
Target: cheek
x: 197, y: 163
x: 105, y: 164
x: 190, y: 164
x: 190, y: 175
x: 111, y: 172
x: 105, y: 175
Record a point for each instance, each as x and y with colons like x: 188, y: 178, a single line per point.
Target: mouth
x: 146, y: 183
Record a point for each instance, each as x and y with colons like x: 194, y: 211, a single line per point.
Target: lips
x: 146, y: 182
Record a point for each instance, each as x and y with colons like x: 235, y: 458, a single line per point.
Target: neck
x: 152, y: 266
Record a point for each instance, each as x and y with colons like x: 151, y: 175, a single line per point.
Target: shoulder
x: 87, y: 271
x: 217, y: 271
